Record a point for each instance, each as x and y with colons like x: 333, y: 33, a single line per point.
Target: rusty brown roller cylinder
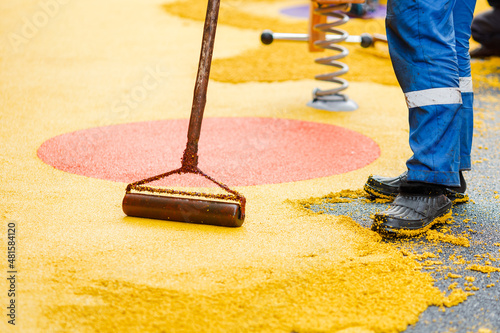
x: 226, y: 214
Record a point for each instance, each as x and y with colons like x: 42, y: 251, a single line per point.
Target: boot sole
x: 456, y: 198
x: 378, y: 194
x: 378, y: 226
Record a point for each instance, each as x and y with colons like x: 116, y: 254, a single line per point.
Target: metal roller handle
x: 190, y: 157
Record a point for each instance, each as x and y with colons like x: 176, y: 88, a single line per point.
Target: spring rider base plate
x: 333, y: 103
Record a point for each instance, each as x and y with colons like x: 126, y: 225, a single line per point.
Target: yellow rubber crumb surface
x: 483, y: 268
x: 85, y: 267
x: 305, y: 292
x: 484, y: 330
x: 457, y: 296
x: 233, y: 14
x: 454, y: 276
x: 291, y: 61
x: 437, y: 236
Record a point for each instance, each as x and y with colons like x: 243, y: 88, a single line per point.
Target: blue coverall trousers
x: 429, y: 48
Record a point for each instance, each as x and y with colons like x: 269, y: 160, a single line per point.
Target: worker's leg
x: 422, y: 46
x: 421, y: 38
x: 388, y: 187
x: 463, y: 14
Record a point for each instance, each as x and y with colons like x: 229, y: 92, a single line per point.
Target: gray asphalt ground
x: 481, y: 310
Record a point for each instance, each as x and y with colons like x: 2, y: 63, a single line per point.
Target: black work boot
x: 415, y: 210
x: 484, y: 52
x: 388, y: 188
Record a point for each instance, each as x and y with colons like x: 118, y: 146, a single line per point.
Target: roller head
x: 220, y: 213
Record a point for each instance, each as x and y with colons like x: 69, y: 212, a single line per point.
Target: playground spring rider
x: 318, y: 40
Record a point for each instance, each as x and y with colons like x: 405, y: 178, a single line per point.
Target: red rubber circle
x: 235, y: 151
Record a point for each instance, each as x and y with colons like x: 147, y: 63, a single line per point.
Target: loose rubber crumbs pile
x: 441, y: 251
x: 84, y: 267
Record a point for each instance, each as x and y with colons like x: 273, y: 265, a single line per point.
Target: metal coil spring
x: 340, y: 18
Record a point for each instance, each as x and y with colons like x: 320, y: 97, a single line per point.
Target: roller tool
x: 146, y: 201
